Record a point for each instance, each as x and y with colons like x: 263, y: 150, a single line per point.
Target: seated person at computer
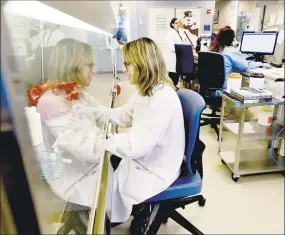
x: 234, y: 60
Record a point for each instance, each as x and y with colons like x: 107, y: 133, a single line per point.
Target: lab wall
x: 224, y: 8
x: 274, y: 20
x: 207, y: 19
x: 139, y: 16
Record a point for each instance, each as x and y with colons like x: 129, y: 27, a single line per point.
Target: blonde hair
x: 150, y: 68
x: 67, y: 59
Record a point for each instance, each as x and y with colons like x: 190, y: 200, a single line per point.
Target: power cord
x: 272, y: 151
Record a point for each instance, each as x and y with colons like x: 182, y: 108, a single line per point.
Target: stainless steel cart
x: 245, y: 162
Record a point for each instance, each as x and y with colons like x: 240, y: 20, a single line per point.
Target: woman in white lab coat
x: 152, y: 149
x: 73, y: 141
x: 175, y: 36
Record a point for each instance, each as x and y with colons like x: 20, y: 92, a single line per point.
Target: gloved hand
x: 99, y: 114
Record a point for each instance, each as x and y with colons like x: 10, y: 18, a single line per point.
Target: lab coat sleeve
x: 144, y: 133
x: 74, y: 133
x: 100, y: 114
x: 123, y: 116
x: 89, y: 99
x: 239, y: 63
x: 79, y: 137
x: 120, y: 116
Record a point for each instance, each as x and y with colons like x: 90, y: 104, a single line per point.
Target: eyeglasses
x: 126, y: 64
x: 90, y: 65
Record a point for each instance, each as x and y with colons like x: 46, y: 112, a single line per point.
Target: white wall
x: 224, y: 8
x: 274, y: 9
x: 138, y: 16
x: 138, y: 13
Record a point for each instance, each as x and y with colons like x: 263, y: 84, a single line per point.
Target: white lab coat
x: 169, y: 49
x: 190, y: 38
x: 79, y: 142
x: 152, y: 150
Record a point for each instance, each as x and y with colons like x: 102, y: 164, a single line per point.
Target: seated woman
x: 72, y: 136
x: 152, y: 150
x: 234, y: 60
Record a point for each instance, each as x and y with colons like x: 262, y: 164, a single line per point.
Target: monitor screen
x: 259, y: 42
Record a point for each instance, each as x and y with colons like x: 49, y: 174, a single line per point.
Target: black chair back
x: 211, y: 71
x: 184, y: 59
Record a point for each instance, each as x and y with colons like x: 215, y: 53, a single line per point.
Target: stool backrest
x: 184, y: 59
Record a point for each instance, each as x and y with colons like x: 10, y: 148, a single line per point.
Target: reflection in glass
x: 57, y: 65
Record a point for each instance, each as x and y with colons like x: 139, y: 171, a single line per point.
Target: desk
x: 270, y: 76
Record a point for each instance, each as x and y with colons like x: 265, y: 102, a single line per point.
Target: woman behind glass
x: 73, y: 137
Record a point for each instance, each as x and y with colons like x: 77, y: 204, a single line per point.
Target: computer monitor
x: 259, y: 43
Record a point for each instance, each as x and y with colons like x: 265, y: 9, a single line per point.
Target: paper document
x: 272, y: 19
x: 280, y: 18
x: 280, y: 38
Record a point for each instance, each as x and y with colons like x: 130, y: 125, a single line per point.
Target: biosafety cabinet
x: 34, y: 179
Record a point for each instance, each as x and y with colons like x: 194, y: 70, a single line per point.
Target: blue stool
x: 186, y: 188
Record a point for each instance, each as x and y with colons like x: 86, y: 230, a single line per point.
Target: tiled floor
x: 254, y: 205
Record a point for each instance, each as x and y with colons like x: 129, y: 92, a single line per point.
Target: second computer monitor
x: 259, y: 42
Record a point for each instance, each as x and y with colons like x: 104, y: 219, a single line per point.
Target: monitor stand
x: 257, y: 58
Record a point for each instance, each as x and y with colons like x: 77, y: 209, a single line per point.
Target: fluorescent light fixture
x: 40, y: 11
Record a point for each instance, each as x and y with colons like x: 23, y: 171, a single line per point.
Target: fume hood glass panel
x: 67, y: 143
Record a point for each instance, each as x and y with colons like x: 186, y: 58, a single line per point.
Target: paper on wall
x: 272, y: 19
x: 280, y: 38
x: 280, y: 18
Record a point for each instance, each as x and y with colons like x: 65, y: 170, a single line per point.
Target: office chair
x: 211, y: 76
x: 185, y: 63
x: 185, y: 189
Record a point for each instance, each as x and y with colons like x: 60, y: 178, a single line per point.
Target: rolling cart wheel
x: 223, y: 162
x: 235, y: 179
x: 202, y: 202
